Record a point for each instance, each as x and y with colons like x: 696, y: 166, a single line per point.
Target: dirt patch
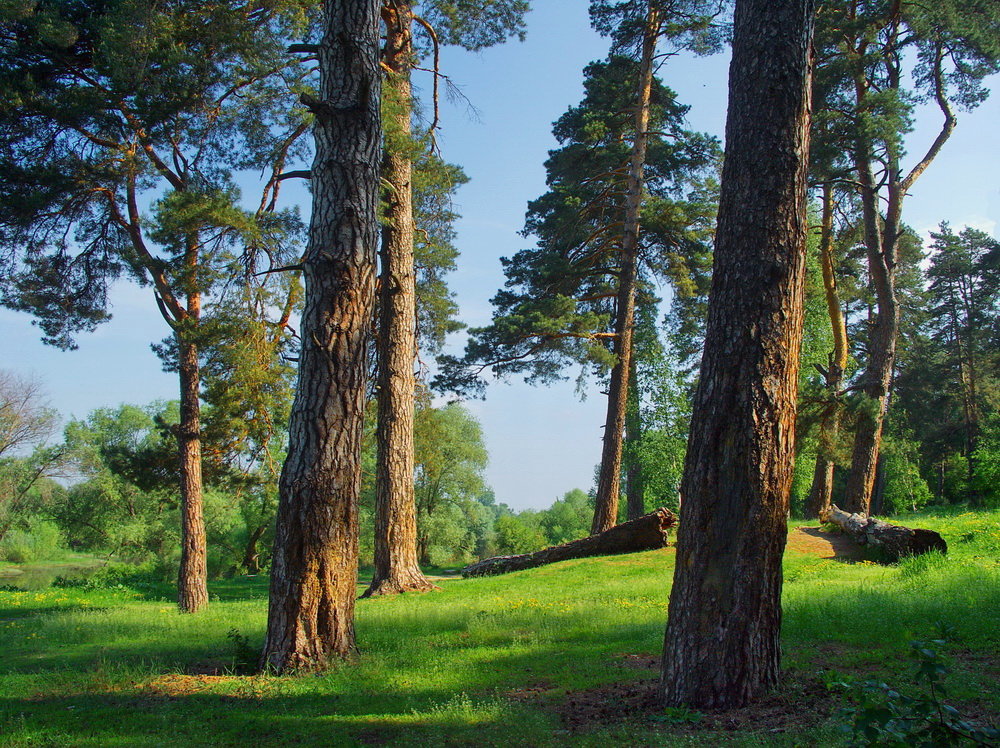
x: 178, y: 684
x: 640, y: 662
x: 531, y: 693
x: 797, y: 704
x: 814, y: 541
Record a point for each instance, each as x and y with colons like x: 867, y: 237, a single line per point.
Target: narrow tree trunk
x: 634, y: 488
x: 878, y: 487
x: 192, y: 577
x: 722, y: 640
x: 314, y: 572
x: 609, y: 478
x: 821, y: 493
x: 396, y: 568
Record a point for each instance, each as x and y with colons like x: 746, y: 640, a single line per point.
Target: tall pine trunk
x: 192, y: 577
x: 722, y: 639
x: 821, y: 494
x: 396, y: 568
x: 314, y: 571
x: 635, y: 493
x: 609, y: 477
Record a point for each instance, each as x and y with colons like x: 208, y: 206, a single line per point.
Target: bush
x: 39, y: 540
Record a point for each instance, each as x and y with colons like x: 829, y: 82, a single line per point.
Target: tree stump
x: 648, y: 532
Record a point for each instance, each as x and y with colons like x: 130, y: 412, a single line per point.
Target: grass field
x: 565, y: 654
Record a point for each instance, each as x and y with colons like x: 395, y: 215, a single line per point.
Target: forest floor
x: 566, y: 654
x: 816, y: 541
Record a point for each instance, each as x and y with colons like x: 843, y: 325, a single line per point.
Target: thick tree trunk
x: 314, y: 571
x: 646, y: 533
x: 192, y: 577
x: 609, y: 477
x: 821, y: 493
x: 892, y: 541
x: 396, y: 568
x: 722, y: 641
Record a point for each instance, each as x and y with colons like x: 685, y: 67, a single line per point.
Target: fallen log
x: 892, y: 541
x: 648, y: 532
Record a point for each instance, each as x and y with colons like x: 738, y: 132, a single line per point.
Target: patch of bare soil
x: 182, y: 684
x: 797, y: 704
x: 814, y: 541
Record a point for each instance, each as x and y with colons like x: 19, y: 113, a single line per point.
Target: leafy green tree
x: 568, y: 518
x: 987, y: 459
x: 518, y: 533
x: 123, y: 123
x: 450, y: 459
x: 947, y: 385
x: 123, y: 504
x: 25, y: 424
x: 964, y: 293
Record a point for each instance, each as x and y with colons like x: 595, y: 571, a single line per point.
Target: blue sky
x: 542, y: 441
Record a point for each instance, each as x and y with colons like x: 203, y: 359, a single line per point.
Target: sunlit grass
x: 120, y: 667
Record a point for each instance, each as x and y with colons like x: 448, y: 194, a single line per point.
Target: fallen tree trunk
x: 646, y: 533
x: 893, y: 541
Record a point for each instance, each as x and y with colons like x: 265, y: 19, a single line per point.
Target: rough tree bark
x: 609, y: 477
x: 192, y: 577
x: 645, y: 533
x: 821, y: 493
x: 892, y: 541
x: 396, y: 568
x: 314, y: 571
x: 722, y: 639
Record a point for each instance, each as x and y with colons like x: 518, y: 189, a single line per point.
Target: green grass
x: 489, y: 661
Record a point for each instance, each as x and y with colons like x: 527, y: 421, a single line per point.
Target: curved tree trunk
x: 722, y: 641
x: 251, y: 557
x: 821, y: 493
x: 192, y: 577
x: 396, y: 568
x: 881, y: 238
x: 314, y: 571
x: 609, y: 478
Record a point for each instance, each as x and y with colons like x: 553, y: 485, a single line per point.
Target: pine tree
x: 863, y: 47
x: 569, y: 301
x: 483, y: 25
x: 722, y: 643
x: 108, y: 107
x: 314, y: 571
